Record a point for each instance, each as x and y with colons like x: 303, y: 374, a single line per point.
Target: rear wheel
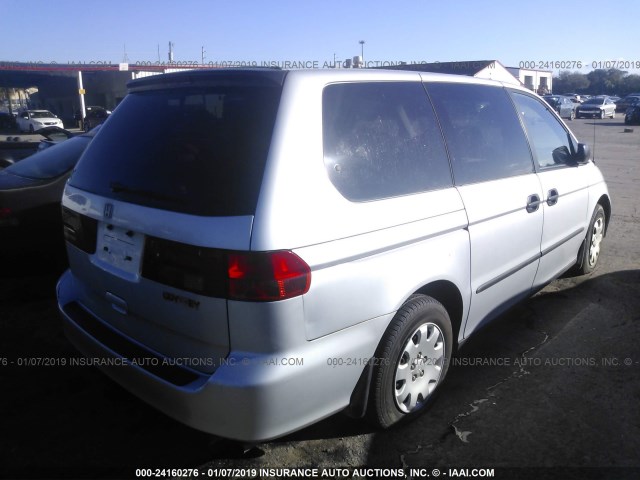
x: 411, y: 361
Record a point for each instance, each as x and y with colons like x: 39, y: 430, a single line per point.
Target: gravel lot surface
x: 554, y: 383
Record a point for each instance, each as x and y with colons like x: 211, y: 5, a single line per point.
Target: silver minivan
x: 254, y: 250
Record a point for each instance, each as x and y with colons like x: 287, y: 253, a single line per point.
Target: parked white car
x: 32, y: 120
x: 600, y: 107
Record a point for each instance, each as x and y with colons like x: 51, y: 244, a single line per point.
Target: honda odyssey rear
x: 254, y: 250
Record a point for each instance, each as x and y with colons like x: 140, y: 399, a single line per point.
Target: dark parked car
x: 30, y: 192
x: 632, y: 116
x: 53, y: 136
x: 562, y: 105
x: 628, y: 101
x: 95, y: 116
x: 7, y: 122
x: 15, y: 148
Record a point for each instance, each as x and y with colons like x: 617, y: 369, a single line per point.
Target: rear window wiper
x: 117, y: 187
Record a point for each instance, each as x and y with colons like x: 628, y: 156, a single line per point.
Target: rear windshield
x: 198, y: 150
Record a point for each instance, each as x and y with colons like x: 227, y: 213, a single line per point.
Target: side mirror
x: 583, y: 155
x: 561, y: 156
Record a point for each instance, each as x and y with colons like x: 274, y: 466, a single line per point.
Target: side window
x: 552, y: 144
x: 381, y: 140
x: 484, y: 136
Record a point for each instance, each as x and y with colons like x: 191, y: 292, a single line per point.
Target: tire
x: 572, y: 115
x: 411, y: 361
x: 602, y: 115
x: 593, y: 241
x: 613, y: 114
x: 31, y: 130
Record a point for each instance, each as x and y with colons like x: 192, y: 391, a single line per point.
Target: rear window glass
x: 198, y: 150
x: 382, y: 140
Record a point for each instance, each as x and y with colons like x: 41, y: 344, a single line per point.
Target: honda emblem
x: 108, y: 210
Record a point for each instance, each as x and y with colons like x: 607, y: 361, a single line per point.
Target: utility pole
x: 171, y: 45
x: 202, y: 54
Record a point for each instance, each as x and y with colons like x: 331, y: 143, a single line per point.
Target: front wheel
x: 411, y: 361
x: 593, y: 241
x: 572, y: 115
x: 602, y: 115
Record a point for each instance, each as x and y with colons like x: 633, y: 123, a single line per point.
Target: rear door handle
x: 552, y: 197
x: 533, y: 202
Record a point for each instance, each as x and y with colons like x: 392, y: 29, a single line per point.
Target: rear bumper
x: 249, y: 397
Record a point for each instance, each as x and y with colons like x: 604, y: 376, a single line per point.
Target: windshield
x: 594, y: 101
x: 52, y: 162
x: 553, y: 101
x: 198, y: 150
x: 42, y: 114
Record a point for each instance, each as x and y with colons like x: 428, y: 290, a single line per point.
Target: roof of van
x: 262, y: 76
x: 276, y: 77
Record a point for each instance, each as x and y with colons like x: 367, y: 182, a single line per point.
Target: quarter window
x: 382, y: 140
x: 484, y: 136
x: 551, y: 143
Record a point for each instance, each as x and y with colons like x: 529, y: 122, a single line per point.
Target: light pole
x: 361, y: 42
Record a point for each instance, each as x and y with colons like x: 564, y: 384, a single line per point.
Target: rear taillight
x: 7, y: 218
x: 267, y: 276
x: 80, y: 230
x: 248, y: 276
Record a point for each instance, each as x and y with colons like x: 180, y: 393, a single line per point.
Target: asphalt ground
x: 549, y: 390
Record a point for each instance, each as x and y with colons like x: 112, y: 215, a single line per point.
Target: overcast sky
x: 306, y: 31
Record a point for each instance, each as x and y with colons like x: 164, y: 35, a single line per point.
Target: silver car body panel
x: 366, y: 259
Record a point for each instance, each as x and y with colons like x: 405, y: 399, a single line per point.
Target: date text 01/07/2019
x: 578, y: 64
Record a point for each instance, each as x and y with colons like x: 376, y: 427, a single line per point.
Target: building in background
x: 539, y: 81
